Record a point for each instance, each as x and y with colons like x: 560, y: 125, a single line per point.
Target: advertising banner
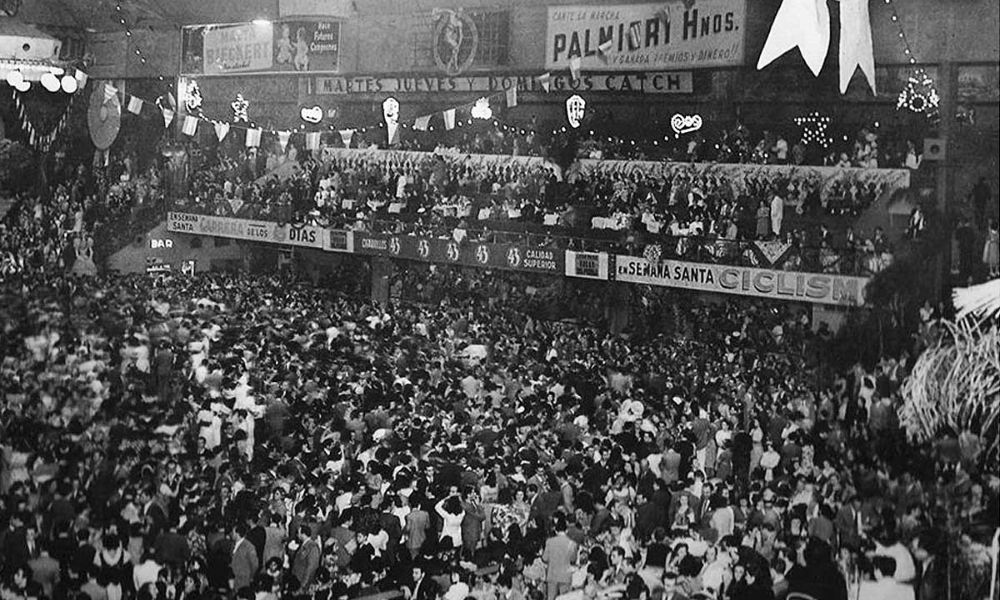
x: 588, y: 265
x: 261, y: 47
x: 818, y: 288
x: 656, y: 82
x: 518, y: 257
x: 646, y: 37
x: 339, y: 240
x: 305, y: 236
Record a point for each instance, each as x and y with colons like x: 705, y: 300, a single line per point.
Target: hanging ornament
x: 576, y: 108
x: 240, y: 107
x: 815, y: 129
x: 192, y: 96
x: 482, y: 110
x: 919, y: 95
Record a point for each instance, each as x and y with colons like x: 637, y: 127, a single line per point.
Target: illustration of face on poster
x: 576, y: 107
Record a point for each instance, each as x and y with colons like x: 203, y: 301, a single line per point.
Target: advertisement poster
x: 261, y: 47
x: 817, y: 288
x: 646, y: 37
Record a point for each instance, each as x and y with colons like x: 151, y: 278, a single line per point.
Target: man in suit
x: 472, y: 523
x: 424, y: 587
x: 306, y: 559
x: 274, y: 538
x: 559, y: 554
x: 244, y: 562
x: 45, y: 570
x: 417, y: 522
x: 848, y: 523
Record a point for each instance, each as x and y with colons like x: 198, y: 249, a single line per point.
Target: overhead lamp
x: 50, y: 82
x: 69, y: 84
x: 14, y: 78
x: 261, y: 22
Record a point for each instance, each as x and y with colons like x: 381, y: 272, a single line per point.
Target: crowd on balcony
x: 235, y: 436
x: 684, y: 208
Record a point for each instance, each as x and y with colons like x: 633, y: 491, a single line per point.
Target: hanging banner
x: 306, y: 236
x: 743, y: 281
x: 640, y: 37
x: 588, y: 265
x: 261, y: 47
x: 517, y: 257
x: 654, y: 82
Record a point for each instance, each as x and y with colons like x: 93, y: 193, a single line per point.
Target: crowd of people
x: 239, y: 436
x: 691, y: 213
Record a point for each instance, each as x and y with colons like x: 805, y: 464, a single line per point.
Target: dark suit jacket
x: 426, y: 589
x: 171, y: 548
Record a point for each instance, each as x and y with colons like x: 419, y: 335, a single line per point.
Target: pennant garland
x: 190, y: 125
x: 221, y: 130
x: 574, y: 68
x: 512, y: 96
x: 422, y: 123
x: 312, y: 140
x: 449, y: 119
x: 345, y: 136
x: 168, y: 116
x: 283, y: 137
x: 135, y: 105
x: 38, y: 141
x: 253, y: 138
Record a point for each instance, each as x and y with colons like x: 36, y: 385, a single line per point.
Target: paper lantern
x: 50, y: 82
x: 69, y: 84
x: 14, y: 78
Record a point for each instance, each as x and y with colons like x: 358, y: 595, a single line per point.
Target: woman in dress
x: 991, y: 250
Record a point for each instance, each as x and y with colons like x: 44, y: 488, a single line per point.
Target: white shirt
x: 885, y: 589
x: 905, y: 569
x: 145, y: 572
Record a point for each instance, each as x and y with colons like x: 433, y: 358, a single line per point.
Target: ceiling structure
x: 102, y: 15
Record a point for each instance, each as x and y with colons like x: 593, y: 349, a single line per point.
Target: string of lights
x: 919, y: 95
x: 129, y: 37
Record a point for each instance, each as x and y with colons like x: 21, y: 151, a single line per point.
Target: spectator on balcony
x: 777, y: 212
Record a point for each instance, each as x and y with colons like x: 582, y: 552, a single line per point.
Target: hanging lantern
x: 50, y: 82
x: 69, y: 84
x: 192, y: 96
x: 576, y: 108
x: 240, y: 106
x: 14, y: 78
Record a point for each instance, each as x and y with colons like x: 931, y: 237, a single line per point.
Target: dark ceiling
x: 103, y: 15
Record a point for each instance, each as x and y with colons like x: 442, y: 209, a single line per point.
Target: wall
x: 132, y: 258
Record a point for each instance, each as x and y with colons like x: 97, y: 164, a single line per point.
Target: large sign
x: 818, y: 288
x: 677, y: 82
x: 518, y: 257
x: 261, y: 47
x: 306, y: 236
x: 643, y: 37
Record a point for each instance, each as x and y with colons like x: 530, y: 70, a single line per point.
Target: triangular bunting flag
x: 449, y: 119
x: 109, y: 91
x: 422, y: 123
x: 546, y: 80
x: 81, y: 78
x: 605, y: 49
x: 312, y: 140
x: 283, y: 137
x: 190, y: 125
x: 856, y: 43
x: 253, y: 138
x: 168, y: 117
x: 134, y: 105
x: 574, y: 67
x: 512, y: 96
x: 346, y: 135
x: 802, y: 24
x: 221, y: 130
x: 392, y: 129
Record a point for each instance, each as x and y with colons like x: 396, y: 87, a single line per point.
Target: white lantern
x: 576, y: 107
x: 50, y: 82
x: 482, y: 110
x: 69, y: 84
x: 14, y: 78
x: 24, y: 86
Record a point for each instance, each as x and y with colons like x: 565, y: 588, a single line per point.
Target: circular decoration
x: 103, y: 118
x: 69, y: 84
x: 455, y: 42
x: 50, y: 82
x: 14, y: 78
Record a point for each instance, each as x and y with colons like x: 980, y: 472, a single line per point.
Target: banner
x: 589, y: 265
x: 743, y: 281
x: 339, y: 240
x: 640, y: 37
x: 306, y: 236
x: 517, y: 257
x: 656, y: 82
x: 261, y: 47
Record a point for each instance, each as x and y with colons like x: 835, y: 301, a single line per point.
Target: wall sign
x: 455, y: 42
x: 161, y: 243
x: 674, y: 82
x: 261, y: 47
x: 639, y: 37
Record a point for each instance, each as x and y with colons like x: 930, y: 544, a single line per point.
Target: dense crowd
x: 232, y: 436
